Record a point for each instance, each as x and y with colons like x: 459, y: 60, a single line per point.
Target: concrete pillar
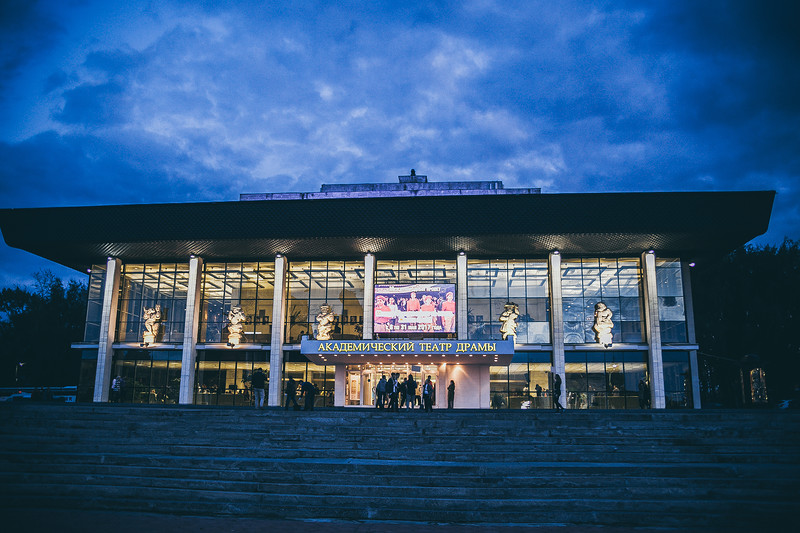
x: 339, y: 386
x: 461, y: 305
x: 653, y: 331
x: 108, y: 328
x: 278, y: 327
x: 691, y: 335
x: 190, y: 331
x: 369, y: 296
x: 557, y: 322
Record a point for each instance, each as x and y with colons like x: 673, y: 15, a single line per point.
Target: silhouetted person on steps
x: 308, y: 391
x: 557, y: 393
x: 451, y: 394
x: 291, y: 394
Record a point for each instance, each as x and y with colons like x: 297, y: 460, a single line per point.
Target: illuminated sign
x: 415, y: 308
x: 405, y: 347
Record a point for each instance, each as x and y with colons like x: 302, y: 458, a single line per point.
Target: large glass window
x: 298, y: 367
x: 524, y: 384
x: 222, y: 377
x: 87, y: 376
x: 615, y: 282
x: 148, y: 376
x: 493, y: 284
x: 671, y: 310
x: 677, y: 379
x: 94, y: 305
x: 604, y: 380
x: 312, y: 284
x: 150, y: 286
x: 250, y: 286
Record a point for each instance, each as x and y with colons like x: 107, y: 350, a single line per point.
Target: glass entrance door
x: 361, y: 381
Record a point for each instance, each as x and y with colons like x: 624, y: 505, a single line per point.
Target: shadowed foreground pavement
x: 79, y: 521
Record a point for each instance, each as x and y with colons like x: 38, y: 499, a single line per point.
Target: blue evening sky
x: 109, y: 102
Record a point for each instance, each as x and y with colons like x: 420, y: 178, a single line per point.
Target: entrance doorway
x: 360, y: 380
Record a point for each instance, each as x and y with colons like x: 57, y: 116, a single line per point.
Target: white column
x: 278, y: 327
x: 339, y: 386
x: 653, y: 330
x: 691, y: 336
x: 190, y: 330
x: 557, y: 322
x: 369, y: 296
x: 108, y: 327
x: 461, y: 288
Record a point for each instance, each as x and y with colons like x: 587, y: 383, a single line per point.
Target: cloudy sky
x: 107, y: 102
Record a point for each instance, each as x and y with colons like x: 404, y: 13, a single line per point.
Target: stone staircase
x: 709, y: 470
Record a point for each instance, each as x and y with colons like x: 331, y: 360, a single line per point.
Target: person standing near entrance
x: 451, y: 394
x: 411, y: 391
x: 380, y: 392
x: 291, y: 394
x: 116, y: 389
x: 427, y: 394
x: 557, y: 393
x: 257, y: 381
x: 307, y: 391
x: 393, y: 389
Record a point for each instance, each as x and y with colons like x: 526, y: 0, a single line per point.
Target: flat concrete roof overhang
x: 676, y: 224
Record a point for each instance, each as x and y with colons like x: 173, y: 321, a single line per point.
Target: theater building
x: 495, y: 289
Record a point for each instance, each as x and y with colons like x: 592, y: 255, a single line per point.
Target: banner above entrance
x: 428, y: 351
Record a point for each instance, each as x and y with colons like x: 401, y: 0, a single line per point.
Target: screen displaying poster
x: 415, y: 308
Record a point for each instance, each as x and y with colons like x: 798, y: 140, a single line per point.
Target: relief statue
x: 325, y: 321
x: 236, y: 319
x: 603, y: 324
x: 151, y: 317
x: 509, y: 320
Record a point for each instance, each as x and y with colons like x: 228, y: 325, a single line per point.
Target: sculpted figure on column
x: 236, y: 319
x: 603, y: 324
x: 325, y: 322
x: 509, y: 320
x: 151, y: 317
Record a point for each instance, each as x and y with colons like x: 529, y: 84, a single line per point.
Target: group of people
x: 391, y: 393
x: 308, y: 391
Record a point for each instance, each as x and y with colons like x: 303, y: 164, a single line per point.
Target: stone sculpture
x: 509, y: 320
x: 325, y: 321
x: 151, y: 317
x: 603, y: 324
x: 236, y: 319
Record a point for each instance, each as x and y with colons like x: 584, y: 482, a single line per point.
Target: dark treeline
x: 37, y: 326
x: 747, y: 312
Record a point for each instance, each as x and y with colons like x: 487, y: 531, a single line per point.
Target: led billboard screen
x: 415, y: 308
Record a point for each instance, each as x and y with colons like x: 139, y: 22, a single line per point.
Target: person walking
x: 557, y: 393
x: 451, y: 394
x: 380, y: 392
x: 644, y: 394
x: 427, y: 394
x: 257, y: 381
x: 291, y: 394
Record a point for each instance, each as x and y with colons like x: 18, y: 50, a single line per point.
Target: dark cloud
x: 188, y: 101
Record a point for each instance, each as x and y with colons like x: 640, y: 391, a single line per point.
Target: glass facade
x: 524, y: 384
x: 222, y: 377
x: 604, y: 380
x: 299, y: 368
x: 615, y: 282
x: 492, y: 284
x: 250, y: 286
x: 145, y: 287
x: 312, y: 284
x: 607, y: 379
x: 148, y: 376
x: 671, y: 308
x: 94, y: 304
x: 677, y: 379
